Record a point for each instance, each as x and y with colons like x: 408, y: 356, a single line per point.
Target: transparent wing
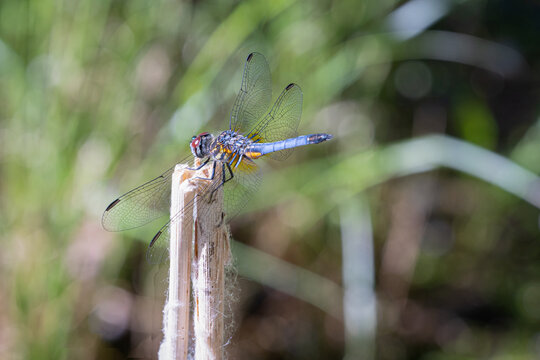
x: 282, y: 121
x: 253, y: 100
x: 239, y: 190
x: 236, y: 193
x: 139, y: 206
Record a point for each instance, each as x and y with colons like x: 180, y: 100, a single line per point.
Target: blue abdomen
x: 267, y: 148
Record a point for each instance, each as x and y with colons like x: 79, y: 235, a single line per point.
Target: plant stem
x: 202, y: 227
x: 211, y: 253
x: 176, y: 311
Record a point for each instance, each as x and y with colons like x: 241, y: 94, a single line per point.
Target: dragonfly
x: 255, y: 130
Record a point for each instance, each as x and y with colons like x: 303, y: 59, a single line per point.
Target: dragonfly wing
x: 255, y: 95
x: 282, y: 121
x: 158, y: 249
x: 243, y: 185
x: 141, y: 205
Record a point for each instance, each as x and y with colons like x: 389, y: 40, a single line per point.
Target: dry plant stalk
x: 176, y: 311
x: 206, y: 270
x: 211, y: 253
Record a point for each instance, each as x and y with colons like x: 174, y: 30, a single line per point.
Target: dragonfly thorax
x: 200, y: 145
x: 229, y: 143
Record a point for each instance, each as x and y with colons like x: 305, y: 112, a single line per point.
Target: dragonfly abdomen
x: 259, y: 149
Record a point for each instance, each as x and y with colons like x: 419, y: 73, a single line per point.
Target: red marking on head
x: 195, y: 142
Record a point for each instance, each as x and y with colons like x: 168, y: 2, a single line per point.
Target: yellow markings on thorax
x: 224, y: 150
x: 253, y: 154
x: 221, y: 152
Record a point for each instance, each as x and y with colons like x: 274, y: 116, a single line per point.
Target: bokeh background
x: 413, y: 234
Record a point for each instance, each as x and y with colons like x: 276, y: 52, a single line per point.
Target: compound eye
x: 193, y: 137
x: 196, y: 141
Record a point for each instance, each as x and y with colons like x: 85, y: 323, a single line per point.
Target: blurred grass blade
x: 359, y: 300
x: 288, y: 278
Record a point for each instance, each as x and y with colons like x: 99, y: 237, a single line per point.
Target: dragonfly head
x: 200, y: 145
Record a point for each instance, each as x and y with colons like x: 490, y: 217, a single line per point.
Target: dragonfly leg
x: 238, y: 163
x: 201, y: 166
x: 211, y: 175
x: 230, y: 172
x: 224, y: 177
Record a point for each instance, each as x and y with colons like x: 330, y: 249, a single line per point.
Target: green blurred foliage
x: 99, y: 96
x: 476, y: 124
